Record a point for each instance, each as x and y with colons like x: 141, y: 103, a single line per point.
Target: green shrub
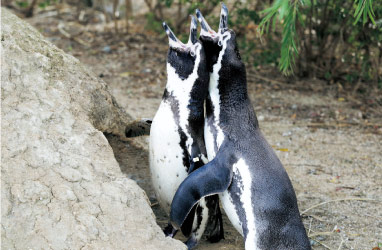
x: 331, y: 39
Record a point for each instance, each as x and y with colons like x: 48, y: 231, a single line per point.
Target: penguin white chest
x: 241, y: 200
x: 212, y: 123
x: 209, y: 140
x: 166, y: 156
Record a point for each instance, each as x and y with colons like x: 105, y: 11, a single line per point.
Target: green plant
x: 327, y: 38
x: 45, y: 3
x: 28, y: 7
x: 364, y: 9
x: 287, y: 13
x: 22, y: 4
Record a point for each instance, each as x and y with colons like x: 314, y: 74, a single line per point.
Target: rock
x: 61, y: 186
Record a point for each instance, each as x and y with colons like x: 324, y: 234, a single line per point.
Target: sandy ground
x: 330, y: 145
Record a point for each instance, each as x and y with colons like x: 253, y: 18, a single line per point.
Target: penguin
x: 253, y: 186
x: 139, y: 127
x: 177, y: 135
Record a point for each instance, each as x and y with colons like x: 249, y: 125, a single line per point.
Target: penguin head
x: 184, y: 58
x: 214, y: 42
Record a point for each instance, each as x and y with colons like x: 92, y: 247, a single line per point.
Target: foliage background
x: 334, y: 40
x: 338, y: 41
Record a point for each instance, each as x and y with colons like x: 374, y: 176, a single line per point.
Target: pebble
x: 313, y: 243
x: 106, y: 49
x: 288, y: 133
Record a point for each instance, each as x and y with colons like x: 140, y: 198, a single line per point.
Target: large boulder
x: 61, y: 186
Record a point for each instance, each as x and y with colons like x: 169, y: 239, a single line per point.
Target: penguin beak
x: 223, y: 25
x: 169, y: 33
x: 206, y: 29
x: 193, y: 31
x: 173, y: 40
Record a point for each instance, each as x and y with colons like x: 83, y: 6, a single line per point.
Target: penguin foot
x: 170, y: 231
x: 191, y: 242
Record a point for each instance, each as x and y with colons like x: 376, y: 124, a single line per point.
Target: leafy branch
x: 288, y: 12
x: 364, y: 8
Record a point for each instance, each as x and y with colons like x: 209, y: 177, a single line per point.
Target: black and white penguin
x: 177, y: 135
x: 253, y: 186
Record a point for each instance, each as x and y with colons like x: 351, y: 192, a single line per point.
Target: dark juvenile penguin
x: 252, y: 184
x: 139, y: 127
x: 177, y: 135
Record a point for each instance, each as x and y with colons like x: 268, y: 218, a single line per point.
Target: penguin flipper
x: 213, y: 178
x: 138, y: 127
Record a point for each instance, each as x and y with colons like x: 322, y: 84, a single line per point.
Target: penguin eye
x: 192, y: 53
x: 220, y: 43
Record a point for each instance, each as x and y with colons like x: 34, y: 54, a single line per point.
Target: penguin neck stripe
x: 214, y: 90
x: 181, y: 90
x: 246, y: 200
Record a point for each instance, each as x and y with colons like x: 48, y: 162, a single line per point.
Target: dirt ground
x: 329, y: 142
